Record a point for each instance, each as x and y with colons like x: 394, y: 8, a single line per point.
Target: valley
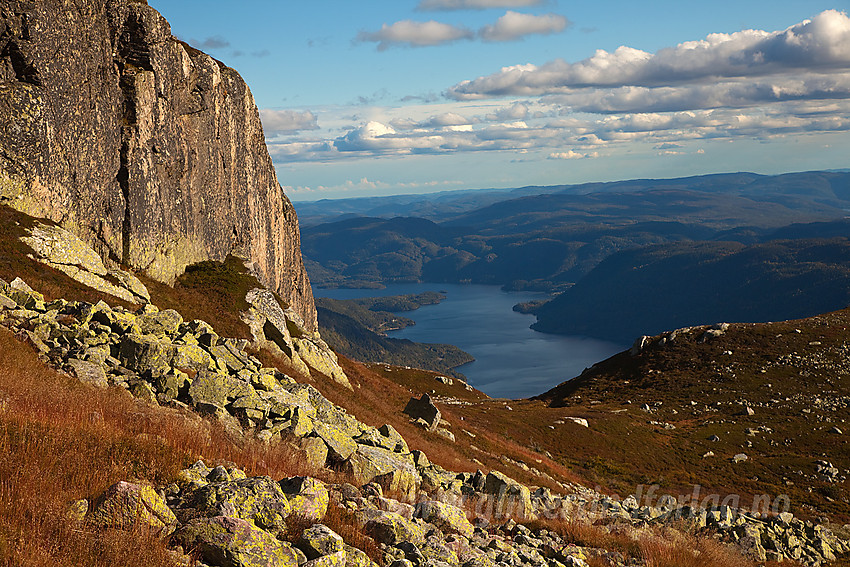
x: 196, y: 372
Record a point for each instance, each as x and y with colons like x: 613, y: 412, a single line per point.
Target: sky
x: 383, y: 97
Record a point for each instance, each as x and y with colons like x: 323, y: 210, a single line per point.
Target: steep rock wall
x: 149, y: 150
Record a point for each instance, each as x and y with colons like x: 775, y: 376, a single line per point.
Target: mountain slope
x: 657, y: 288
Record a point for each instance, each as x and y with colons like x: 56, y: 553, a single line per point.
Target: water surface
x: 511, y: 360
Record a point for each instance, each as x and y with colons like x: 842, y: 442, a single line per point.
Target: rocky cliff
x: 149, y: 150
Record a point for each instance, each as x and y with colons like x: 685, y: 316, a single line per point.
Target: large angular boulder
x: 63, y: 251
x: 448, y: 518
x: 394, y: 470
x: 217, y: 389
x: 340, y: 445
x: 191, y: 357
x: 510, y: 498
x: 234, y: 542
x: 130, y: 506
x: 320, y: 357
x: 145, y: 353
x: 423, y: 408
x: 258, y: 499
x: 390, y: 528
x: 160, y: 323
x: 319, y: 540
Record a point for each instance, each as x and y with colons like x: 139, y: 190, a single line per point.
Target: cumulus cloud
x: 570, y: 154
x: 737, y: 93
x: 435, y: 5
x: 415, y: 34
x: 288, y: 120
x: 514, y: 25
x: 821, y: 44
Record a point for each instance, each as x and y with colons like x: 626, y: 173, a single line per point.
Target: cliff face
x: 148, y: 149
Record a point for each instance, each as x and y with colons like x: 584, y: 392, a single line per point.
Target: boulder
x: 130, y: 506
x: 423, y: 408
x: 319, y: 540
x: 511, y: 499
x: 448, y: 518
x: 234, y: 542
x: 217, y: 389
x: 308, y: 497
x: 160, y: 323
x: 258, y: 499
x: 317, y: 355
x: 191, y: 357
x: 267, y: 320
x: 315, y: 452
x: 337, y: 559
x: 63, y: 251
x: 145, y: 353
x: 389, y: 528
x: 340, y: 445
x: 395, y: 471
x: 89, y: 372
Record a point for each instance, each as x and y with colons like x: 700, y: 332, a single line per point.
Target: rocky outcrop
x: 229, y: 519
x: 150, y: 151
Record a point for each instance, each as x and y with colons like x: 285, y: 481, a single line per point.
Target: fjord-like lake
x: 511, y: 360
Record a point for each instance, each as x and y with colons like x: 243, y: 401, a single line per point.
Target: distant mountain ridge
x: 659, y: 288
x: 550, y: 241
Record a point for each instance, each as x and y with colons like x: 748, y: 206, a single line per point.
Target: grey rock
x: 423, y: 408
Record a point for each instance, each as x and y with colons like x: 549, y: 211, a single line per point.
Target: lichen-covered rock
x: 340, y: 445
x: 160, y: 323
x: 315, y: 452
x: 356, y: 558
x: 337, y: 559
x: 395, y: 470
x: 191, y: 357
x: 448, y: 518
x: 320, y: 540
x: 258, y: 499
x: 64, y: 251
x: 173, y: 168
x: 511, y: 499
x: 145, y: 353
x: 389, y: 528
x: 131, y: 506
x: 234, y: 542
x: 308, y: 497
x: 320, y: 357
x: 217, y: 389
x: 89, y: 372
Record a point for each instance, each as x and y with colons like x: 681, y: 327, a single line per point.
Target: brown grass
x: 61, y: 441
x: 668, y: 548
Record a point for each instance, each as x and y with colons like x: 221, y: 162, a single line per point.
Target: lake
x: 511, y: 360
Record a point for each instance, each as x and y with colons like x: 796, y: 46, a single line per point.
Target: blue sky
x: 407, y: 96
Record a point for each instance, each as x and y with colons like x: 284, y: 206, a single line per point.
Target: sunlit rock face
x: 150, y: 151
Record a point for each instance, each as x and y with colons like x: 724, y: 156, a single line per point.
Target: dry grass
x: 61, y: 441
x: 584, y: 534
x: 668, y: 548
x: 659, y: 547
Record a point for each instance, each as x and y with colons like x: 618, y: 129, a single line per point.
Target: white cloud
x: 415, y: 34
x: 288, y: 120
x: 434, y: 5
x: 570, y: 154
x: 514, y: 25
x: 731, y: 93
x: 821, y: 44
